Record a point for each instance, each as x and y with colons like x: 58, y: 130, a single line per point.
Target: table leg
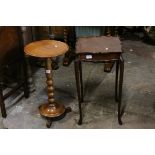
x: 2, y: 105
x: 77, y: 76
x: 120, y: 90
x: 31, y: 85
x: 116, y: 81
x: 81, y: 82
x: 25, y: 71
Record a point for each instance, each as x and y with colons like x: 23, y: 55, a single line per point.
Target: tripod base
x: 53, y: 112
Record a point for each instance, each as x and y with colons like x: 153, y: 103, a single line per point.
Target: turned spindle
x: 50, y: 87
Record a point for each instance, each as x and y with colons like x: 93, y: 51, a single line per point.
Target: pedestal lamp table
x: 48, y: 49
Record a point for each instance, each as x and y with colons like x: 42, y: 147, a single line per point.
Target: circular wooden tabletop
x: 46, y: 48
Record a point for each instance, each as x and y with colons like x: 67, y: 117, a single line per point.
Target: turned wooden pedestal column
x: 48, y: 49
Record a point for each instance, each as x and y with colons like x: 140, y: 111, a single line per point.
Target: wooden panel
x: 42, y: 32
x: 9, y: 45
x: 59, y: 32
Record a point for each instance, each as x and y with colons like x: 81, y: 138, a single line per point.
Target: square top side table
x: 99, y: 49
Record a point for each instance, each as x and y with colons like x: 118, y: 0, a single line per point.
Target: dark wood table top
x: 101, y: 44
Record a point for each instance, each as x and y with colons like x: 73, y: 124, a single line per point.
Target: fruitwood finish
x: 99, y: 49
x: 47, y: 49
